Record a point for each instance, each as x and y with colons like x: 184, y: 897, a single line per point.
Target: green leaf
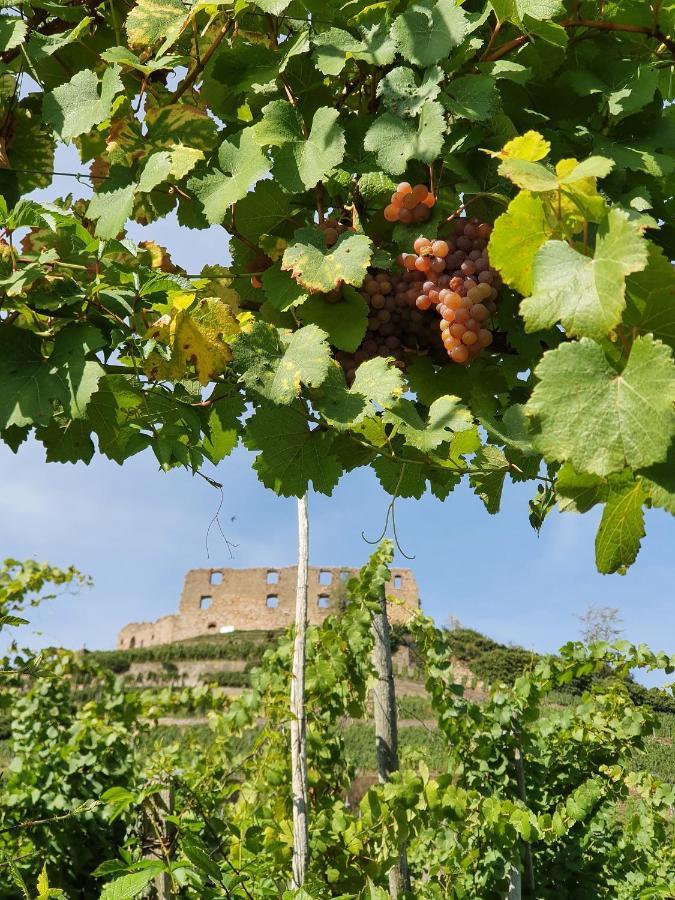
x: 299, y: 163
x: 129, y: 886
x: 151, y: 22
x: 262, y: 210
x: 67, y: 442
x: 601, y: 420
x: 516, y: 10
x: 156, y: 170
x: 12, y: 32
x: 488, y: 482
x: 426, y: 35
x: 658, y: 482
x: 242, y: 164
x: 401, y: 93
x: 76, y: 107
x: 30, y: 384
x: 621, y: 530
x: 579, y: 491
x: 281, y: 289
x: 638, y: 87
x: 273, y: 7
x: 380, y: 48
x: 586, y: 294
x: 321, y: 269
x: 111, y: 207
x: 223, y: 427
x: 276, y: 365
x: 447, y: 415
x: 407, y: 479
x: 651, y: 298
x: 473, y: 97
x: 291, y: 455
x: 332, y: 48
x: 395, y: 141
x: 344, y: 321
x: 517, y: 235
x: 376, y: 384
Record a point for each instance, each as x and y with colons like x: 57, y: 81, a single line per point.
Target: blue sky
x: 137, y: 530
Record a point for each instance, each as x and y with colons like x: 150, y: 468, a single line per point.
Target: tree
x: 600, y: 623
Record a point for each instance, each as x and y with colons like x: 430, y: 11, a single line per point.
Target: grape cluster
x: 455, y: 277
x: 396, y: 328
x: 332, y: 229
x: 409, y: 204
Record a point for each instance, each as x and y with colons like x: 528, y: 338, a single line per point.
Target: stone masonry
x: 217, y: 601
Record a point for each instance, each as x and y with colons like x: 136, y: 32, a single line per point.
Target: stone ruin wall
x: 217, y: 600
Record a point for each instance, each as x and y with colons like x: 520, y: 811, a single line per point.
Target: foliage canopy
x: 549, y: 118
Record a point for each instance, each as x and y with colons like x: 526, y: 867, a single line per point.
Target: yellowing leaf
x: 530, y: 146
x: 198, y: 339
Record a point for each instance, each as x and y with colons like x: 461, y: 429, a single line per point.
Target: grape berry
x: 409, y: 204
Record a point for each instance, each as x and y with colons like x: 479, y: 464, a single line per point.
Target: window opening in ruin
x: 344, y: 575
x: 205, y: 602
x: 398, y: 581
x: 211, y: 626
x: 325, y: 577
x: 216, y: 578
x: 272, y: 577
x: 132, y: 643
x: 323, y: 601
x: 272, y: 601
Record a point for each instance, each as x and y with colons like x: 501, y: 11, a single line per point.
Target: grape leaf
x: 579, y: 491
x: 321, y: 269
x: 426, y: 35
x: 586, y: 294
x: 273, y: 7
x: 447, y: 416
x: 299, y: 162
x: 262, y: 210
x: 331, y: 49
x: 533, y: 176
x: 76, y: 107
x: 490, y: 468
x: 379, y: 46
x: 343, y: 321
x: 30, y: 384
x: 395, y: 141
x: 129, y: 886
x: 113, y: 414
x: 516, y: 10
x: 12, y: 32
x: 517, y: 235
x: 112, y: 205
x: 402, y: 479
x: 291, y: 454
x: 281, y: 289
x: 401, y: 93
x: 277, y: 364
x: 376, y: 383
x: 601, y: 420
x: 651, y: 298
x: 244, y: 162
x: 530, y: 146
x: 472, y: 97
x: 621, y: 530
x: 198, y: 338
x: 658, y: 482
x: 153, y: 21
x: 156, y: 170
x: 223, y: 427
x: 67, y: 441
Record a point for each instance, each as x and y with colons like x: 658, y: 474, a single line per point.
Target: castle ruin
x: 218, y: 601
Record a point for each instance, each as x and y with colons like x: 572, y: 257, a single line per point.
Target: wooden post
x: 156, y: 838
x: 298, y: 721
x: 515, y: 890
x: 386, y: 732
x: 528, y: 865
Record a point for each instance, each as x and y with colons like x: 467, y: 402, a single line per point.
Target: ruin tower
x: 217, y: 601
